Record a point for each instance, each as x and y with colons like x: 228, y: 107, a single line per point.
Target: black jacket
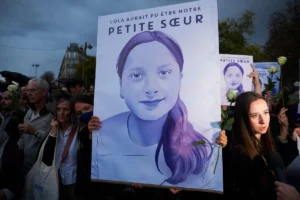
x: 11, y: 170
x: 251, y: 179
x: 287, y: 150
x: 12, y: 158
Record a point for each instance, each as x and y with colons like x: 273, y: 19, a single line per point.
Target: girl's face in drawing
x: 150, y: 81
x: 233, y: 77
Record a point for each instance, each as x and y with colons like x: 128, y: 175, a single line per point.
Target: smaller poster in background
x: 263, y: 70
x: 234, y: 71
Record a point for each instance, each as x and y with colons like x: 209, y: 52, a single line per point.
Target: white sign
x: 262, y: 69
x: 156, y: 94
x: 234, y: 71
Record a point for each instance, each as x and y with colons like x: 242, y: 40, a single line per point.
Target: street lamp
x: 86, y: 46
x: 36, y: 66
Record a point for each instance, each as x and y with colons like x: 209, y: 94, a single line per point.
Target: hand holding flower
x: 222, y: 139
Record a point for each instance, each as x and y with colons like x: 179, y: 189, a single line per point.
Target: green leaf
x: 279, y: 96
x: 271, y: 84
x: 223, y: 114
x: 297, y: 84
x: 267, y: 88
x: 269, y: 80
x: 228, y: 127
x: 230, y: 121
x: 220, y: 123
x: 200, y: 142
x: 294, y: 99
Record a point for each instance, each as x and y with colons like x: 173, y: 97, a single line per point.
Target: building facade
x: 74, y: 55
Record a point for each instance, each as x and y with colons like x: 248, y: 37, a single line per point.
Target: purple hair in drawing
x: 179, y: 136
x: 233, y: 64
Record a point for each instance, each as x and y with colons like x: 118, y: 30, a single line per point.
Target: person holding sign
x: 70, y: 145
x: 62, y: 146
x: 155, y: 133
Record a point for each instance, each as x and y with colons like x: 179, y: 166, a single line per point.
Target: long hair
x: 178, y: 136
x: 60, y: 96
x: 243, y: 137
x: 240, y: 87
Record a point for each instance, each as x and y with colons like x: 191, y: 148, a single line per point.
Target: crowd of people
x: 54, y: 125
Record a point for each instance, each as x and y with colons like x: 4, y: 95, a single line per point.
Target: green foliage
x: 284, y: 34
x: 200, y: 142
x: 89, y: 72
x: 234, y: 33
x: 223, y: 114
x: 277, y: 79
x: 284, y: 38
x: 271, y: 84
x: 293, y: 99
x: 283, y: 95
x: 258, y: 54
x: 48, y: 76
x: 220, y: 123
x: 228, y: 125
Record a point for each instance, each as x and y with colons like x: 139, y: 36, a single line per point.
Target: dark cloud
x: 12, y: 32
x: 54, y: 24
x: 262, y: 9
x: 23, y: 17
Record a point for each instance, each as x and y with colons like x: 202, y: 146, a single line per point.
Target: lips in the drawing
x: 152, y: 103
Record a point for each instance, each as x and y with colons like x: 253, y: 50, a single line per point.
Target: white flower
x: 12, y: 88
x: 281, y: 60
x: 232, y: 95
x: 273, y: 69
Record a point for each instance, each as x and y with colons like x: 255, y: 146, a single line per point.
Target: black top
x: 288, y: 150
x: 11, y: 169
x: 251, y: 179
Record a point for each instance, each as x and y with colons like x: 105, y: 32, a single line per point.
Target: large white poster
x: 234, y: 71
x: 156, y: 94
x: 263, y: 70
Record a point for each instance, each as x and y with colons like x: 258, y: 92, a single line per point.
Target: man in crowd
x: 36, y: 122
x: 75, y: 86
x: 10, y: 157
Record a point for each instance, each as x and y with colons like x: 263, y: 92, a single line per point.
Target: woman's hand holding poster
x: 156, y: 94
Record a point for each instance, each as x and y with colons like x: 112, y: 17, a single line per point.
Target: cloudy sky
x: 38, y: 31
